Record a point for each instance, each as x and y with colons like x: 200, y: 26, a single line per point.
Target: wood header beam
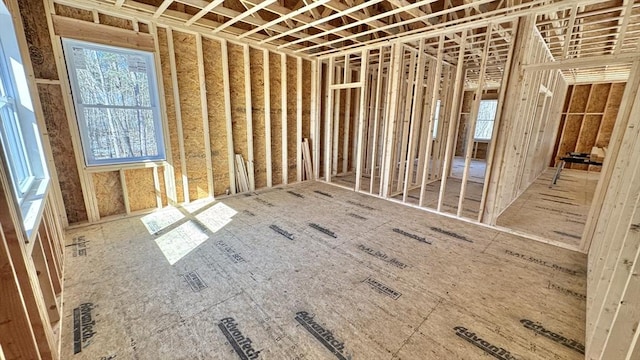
x: 103, y: 34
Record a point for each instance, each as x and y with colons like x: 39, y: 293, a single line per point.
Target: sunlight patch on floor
x: 180, y: 241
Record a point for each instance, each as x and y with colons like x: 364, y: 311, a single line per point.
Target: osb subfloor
x: 477, y: 169
x: 382, y: 293
x: 471, y: 205
x: 558, y: 213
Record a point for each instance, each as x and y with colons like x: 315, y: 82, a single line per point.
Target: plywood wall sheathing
x: 256, y: 59
x: 276, y: 117
x: 72, y: 12
x: 38, y: 38
x: 306, y: 100
x: 215, y: 109
x: 590, y: 126
x: 580, y: 98
x: 238, y: 98
x: 140, y: 189
x: 191, y: 114
x: 590, y: 112
x: 610, y: 114
x: 63, y: 152
x: 599, y: 96
x: 161, y: 186
x: 109, y: 193
x: 171, y: 112
x: 291, y: 119
x: 115, y: 21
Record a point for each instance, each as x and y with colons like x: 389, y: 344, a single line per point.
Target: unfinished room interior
x: 319, y: 179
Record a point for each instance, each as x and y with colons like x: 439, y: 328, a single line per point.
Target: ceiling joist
x: 571, y: 29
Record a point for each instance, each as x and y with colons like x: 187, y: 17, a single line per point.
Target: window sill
x: 125, y: 166
x: 31, y: 209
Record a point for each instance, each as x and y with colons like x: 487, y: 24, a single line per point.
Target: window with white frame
x: 20, y: 142
x: 486, y: 118
x: 435, y: 120
x: 11, y: 132
x: 116, y: 102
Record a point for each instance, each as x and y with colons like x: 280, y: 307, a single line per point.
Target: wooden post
x: 376, y: 118
x: 361, y: 114
x: 227, y: 112
x: 299, y: 119
x: 283, y: 85
x: 205, y: 116
x: 473, y: 120
x: 336, y: 123
x: 353, y: 134
x: 451, y: 132
x: 506, y: 109
x: 433, y: 102
x: 390, y: 121
x: 176, y: 100
x: 443, y: 122
x: 416, y: 115
x: 316, y: 81
x: 249, y: 117
x: 328, y: 121
x: 169, y: 173
x: 496, y: 126
x: 406, y: 136
x: 267, y: 117
x: 347, y: 122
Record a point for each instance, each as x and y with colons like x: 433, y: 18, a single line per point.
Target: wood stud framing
x: 167, y: 184
x: 377, y: 82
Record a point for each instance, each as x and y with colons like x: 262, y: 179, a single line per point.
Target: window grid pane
x: 18, y: 163
x: 486, y: 117
x: 435, y: 119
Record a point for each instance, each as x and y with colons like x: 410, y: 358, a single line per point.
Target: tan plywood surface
x: 257, y: 106
x: 292, y: 109
x: 383, y: 294
x: 610, y: 114
x: 140, y: 189
x: 63, y: 152
x: 217, y: 122
x: 276, y: 116
x: 109, y: 193
x: 71, y: 12
x: 190, y: 108
x: 37, y: 34
x: 306, y: 98
x: 115, y: 21
x: 238, y: 109
x: 171, y: 113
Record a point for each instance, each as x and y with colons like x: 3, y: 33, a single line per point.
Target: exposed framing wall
x: 588, y: 119
x: 31, y: 268
x: 613, y: 286
x: 221, y: 98
x: 402, y: 161
x: 530, y: 113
